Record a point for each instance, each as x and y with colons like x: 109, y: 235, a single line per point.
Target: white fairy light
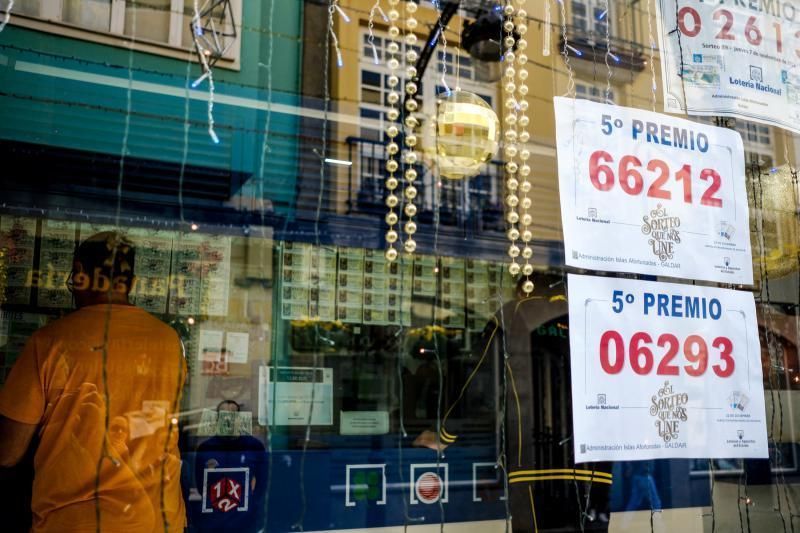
x: 203, y: 54
x: 335, y: 8
x: 371, y: 28
x: 546, y: 29
x: 6, y: 15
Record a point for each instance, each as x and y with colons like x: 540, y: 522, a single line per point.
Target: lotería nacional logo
x: 725, y: 230
x: 738, y: 400
x: 663, y: 232
x: 669, y: 408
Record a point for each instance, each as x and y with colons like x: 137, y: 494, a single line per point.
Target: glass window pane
x: 31, y: 7
x: 90, y: 14
x: 151, y: 18
x: 370, y: 78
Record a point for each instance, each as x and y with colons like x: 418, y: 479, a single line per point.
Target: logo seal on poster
x: 669, y: 408
x: 663, y: 232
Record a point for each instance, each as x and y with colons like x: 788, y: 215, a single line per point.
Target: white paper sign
x: 238, y: 345
x: 363, y: 422
x: 651, y: 194
x: 737, y: 58
x: 662, y: 370
x: 295, y: 388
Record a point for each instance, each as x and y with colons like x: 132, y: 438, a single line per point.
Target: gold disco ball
x: 779, y: 221
x: 467, y: 135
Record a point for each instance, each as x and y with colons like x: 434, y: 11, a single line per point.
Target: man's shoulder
x: 88, y: 319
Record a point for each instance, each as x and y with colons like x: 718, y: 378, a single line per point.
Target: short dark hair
x: 111, y: 252
x: 229, y: 402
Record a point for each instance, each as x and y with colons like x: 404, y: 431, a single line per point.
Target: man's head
x: 102, y: 269
x: 228, y: 405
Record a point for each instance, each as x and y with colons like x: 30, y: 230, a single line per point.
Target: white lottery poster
x: 651, y: 194
x: 732, y: 58
x: 662, y: 370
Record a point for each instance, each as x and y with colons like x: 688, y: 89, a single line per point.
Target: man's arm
x: 15, y: 437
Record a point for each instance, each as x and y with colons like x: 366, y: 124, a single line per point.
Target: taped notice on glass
x: 662, y: 370
x: 648, y: 193
x: 286, y: 395
x: 738, y: 59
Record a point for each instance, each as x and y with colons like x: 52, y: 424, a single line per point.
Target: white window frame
x: 764, y: 151
x: 50, y: 21
x: 591, y: 21
x: 593, y: 91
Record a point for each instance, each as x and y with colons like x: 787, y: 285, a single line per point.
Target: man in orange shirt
x: 100, y: 388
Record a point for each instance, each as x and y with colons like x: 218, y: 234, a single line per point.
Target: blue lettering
x: 637, y: 128
x: 715, y: 309
x: 652, y: 132
x: 677, y: 305
x: 702, y: 142
x: 663, y: 301
x: 666, y: 135
x: 693, y: 307
x: 649, y: 300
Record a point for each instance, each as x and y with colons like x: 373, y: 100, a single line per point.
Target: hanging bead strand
x: 411, y: 122
x: 523, y: 136
x: 510, y: 149
x: 392, y: 131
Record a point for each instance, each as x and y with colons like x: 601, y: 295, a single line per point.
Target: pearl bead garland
x: 392, y: 131
x: 411, y: 122
x: 516, y: 134
x: 510, y: 135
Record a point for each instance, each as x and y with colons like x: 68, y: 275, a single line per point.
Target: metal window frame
x: 51, y: 20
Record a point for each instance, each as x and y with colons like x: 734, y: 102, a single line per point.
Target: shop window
x: 757, y: 140
x: 158, y: 26
x: 591, y: 16
x: 595, y: 93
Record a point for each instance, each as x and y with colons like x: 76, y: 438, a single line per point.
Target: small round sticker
x: 428, y: 487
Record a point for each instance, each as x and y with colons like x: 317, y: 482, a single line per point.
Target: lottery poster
x: 654, y: 194
x: 350, y: 285
x: 55, y: 263
x: 453, y: 297
x: 736, y: 59
x: 662, y: 370
x: 19, y: 235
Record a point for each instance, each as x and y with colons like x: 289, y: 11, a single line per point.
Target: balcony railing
x: 473, y: 206
x: 589, y: 45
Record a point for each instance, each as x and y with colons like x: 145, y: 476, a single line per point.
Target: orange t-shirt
x: 104, y: 451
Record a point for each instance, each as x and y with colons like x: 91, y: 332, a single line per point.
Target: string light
x: 6, y: 15
x: 609, y: 73
x: 546, y: 29
x: 203, y: 53
x: 334, y: 8
x: 392, y: 131
x: 565, y: 39
x: 371, y: 28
